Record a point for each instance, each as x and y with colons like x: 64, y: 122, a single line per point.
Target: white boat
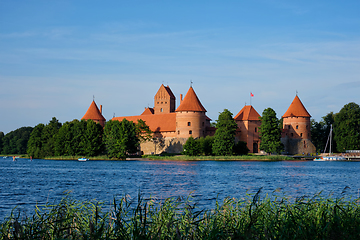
x: 330, y: 157
x: 83, y: 159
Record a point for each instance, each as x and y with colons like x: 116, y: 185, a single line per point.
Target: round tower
x: 190, y: 117
x: 296, y: 134
x: 296, y: 121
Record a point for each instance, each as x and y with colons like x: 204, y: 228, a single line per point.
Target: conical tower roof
x: 296, y: 109
x: 191, y: 103
x: 247, y: 113
x: 93, y: 113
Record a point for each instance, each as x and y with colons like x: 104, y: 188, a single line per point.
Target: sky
x: 56, y: 56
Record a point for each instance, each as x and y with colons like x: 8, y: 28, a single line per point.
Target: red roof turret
x: 93, y: 113
x: 191, y: 103
x: 296, y: 109
x: 247, y: 113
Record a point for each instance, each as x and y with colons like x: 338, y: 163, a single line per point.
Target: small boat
x: 330, y: 157
x: 83, y: 159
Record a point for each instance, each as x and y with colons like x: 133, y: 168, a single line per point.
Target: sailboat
x: 330, y: 157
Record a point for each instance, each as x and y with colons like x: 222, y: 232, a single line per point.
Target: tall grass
x: 249, y: 218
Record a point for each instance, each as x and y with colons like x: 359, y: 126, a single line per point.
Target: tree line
x: 87, y: 138
x: 346, y: 129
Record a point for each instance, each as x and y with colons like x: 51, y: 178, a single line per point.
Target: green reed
x: 275, y: 217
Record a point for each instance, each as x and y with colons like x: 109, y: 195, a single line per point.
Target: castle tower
x: 190, y: 117
x: 248, y: 123
x: 296, y: 135
x: 94, y: 114
x: 164, y: 100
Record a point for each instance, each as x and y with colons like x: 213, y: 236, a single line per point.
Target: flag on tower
x: 251, y: 94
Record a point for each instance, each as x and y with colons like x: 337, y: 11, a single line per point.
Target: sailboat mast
x: 330, y: 139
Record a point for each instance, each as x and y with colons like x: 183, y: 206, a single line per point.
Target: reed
x: 275, y: 217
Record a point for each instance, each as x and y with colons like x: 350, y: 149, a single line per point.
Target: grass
x: 249, y: 218
x: 249, y: 157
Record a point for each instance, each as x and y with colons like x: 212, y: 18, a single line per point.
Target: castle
x: 172, y: 126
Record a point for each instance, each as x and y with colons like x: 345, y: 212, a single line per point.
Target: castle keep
x: 173, y: 126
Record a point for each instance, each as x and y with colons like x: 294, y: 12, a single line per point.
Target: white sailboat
x: 330, y: 157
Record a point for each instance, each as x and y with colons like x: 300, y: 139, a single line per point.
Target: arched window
x: 189, y: 124
x: 190, y: 132
x: 297, y: 127
x: 161, y: 110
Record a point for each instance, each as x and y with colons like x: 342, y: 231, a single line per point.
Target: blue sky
x: 55, y: 55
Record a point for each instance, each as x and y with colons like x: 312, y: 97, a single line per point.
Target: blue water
x: 25, y: 183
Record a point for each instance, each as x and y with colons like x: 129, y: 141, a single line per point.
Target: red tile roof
x: 157, y: 122
x: 296, y: 109
x: 191, y: 103
x: 247, y: 113
x: 148, y: 111
x: 172, y: 96
x: 93, y: 113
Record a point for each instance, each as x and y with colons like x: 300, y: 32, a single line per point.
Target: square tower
x: 164, y: 100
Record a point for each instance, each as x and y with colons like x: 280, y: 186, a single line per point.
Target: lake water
x: 25, y: 183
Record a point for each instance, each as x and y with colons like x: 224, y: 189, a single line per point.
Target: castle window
x: 292, y: 134
x: 161, y: 110
x: 297, y: 127
x: 161, y: 102
x: 300, y: 134
x: 190, y: 132
x: 289, y: 126
x: 165, y: 102
x: 255, y: 129
x: 157, y: 102
x: 189, y: 123
x: 178, y: 132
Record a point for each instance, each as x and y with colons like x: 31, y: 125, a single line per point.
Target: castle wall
x: 298, y: 146
x: 296, y: 136
x: 296, y: 128
x: 160, y: 145
x: 249, y: 133
x: 190, y: 124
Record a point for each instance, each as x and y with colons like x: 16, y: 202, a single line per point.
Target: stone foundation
x: 160, y: 145
x: 298, y: 146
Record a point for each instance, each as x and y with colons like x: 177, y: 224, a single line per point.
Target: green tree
x: 224, y: 138
x: 35, y: 143
x: 206, y: 145
x: 192, y: 147
x: 317, y: 135
x: 241, y: 148
x: 93, y: 144
x: 347, y: 128
x: 270, y: 132
x: 120, y: 138
x: 15, y: 142
x: 143, y: 131
x: 49, y: 136
x: 1, y: 140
